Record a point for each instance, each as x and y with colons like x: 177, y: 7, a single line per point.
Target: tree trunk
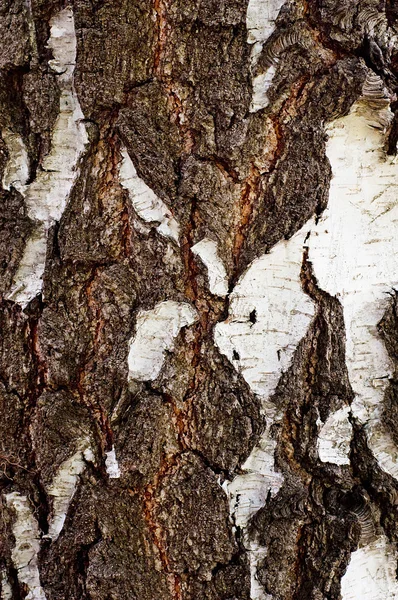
x: 199, y: 325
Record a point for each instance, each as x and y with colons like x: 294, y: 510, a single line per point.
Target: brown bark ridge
x: 113, y: 485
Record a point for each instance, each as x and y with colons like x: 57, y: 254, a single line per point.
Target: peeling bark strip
x: 46, y: 197
x: 63, y: 487
x: 207, y: 251
x: 147, y: 205
x: 25, y: 551
x: 198, y: 313
x: 156, y: 330
x: 260, y: 22
x: 335, y: 438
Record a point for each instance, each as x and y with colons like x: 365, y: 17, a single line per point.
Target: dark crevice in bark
x: 380, y: 486
x: 42, y: 508
x: 17, y: 593
x: 82, y: 558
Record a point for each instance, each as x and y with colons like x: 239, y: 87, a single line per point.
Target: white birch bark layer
x: 112, y: 465
x: 207, y: 251
x: 371, y: 573
x: 269, y: 315
x: 260, y: 19
x: 64, y: 486
x: 148, y: 206
x: 260, y: 22
x: 270, y: 294
x: 6, y: 590
x: 335, y: 437
x: 27, y: 545
x: 47, y: 195
x: 156, y: 331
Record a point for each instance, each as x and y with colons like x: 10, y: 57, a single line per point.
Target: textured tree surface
x: 199, y: 326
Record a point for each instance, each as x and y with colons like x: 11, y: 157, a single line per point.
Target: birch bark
x: 198, y: 313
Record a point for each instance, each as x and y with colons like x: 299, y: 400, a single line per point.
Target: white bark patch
x: 63, y: 488
x: 207, y: 251
x: 112, y: 465
x: 335, y: 437
x: 155, y: 334
x: 6, y: 590
x: 256, y: 556
x: 28, y: 280
x: 16, y: 172
x: 148, y: 206
x: 260, y: 19
x: 354, y: 252
x: 46, y: 197
x: 260, y: 23
x: 371, y: 573
x: 261, y: 84
x: 247, y: 493
x: 27, y: 545
x: 269, y: 315
x: 271, y: 291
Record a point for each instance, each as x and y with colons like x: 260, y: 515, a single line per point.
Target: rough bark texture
x: 115, y: 482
